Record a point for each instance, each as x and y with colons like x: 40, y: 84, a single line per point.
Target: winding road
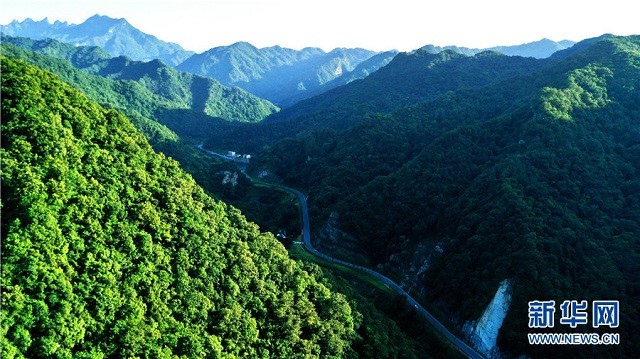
x: 306, y: 236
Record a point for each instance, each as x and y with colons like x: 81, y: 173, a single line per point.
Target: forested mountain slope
x: 547, y: 196
x: 275, y: 73
x: 535, y: 179
x: 175, y: 111
x: 408, y: 79
x: 152, y: 87
x: 111, y: 250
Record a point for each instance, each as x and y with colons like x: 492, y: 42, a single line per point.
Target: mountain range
x: 537, y: 49
x: 280, y: 75
x: 275, y: 73
x: 116, y: 36
x: 161, y: 88
x: 399, y: 84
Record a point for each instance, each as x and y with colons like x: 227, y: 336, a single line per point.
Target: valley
x: 446, y: 189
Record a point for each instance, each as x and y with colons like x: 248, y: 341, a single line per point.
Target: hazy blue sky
x: 378, y: 25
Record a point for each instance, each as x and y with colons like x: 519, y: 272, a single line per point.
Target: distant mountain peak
x: 104, y: 21
x: 487, y: 53
x: 567, y: 43
x: 242, y: 45
x: 106, y: 18
x: 115, y: 35
x: 275, y: 73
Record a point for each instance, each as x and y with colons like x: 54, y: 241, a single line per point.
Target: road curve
x: 306, y: 236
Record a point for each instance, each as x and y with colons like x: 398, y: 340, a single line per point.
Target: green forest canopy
x: 111, y: 250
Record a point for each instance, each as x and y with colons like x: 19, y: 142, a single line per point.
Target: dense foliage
x: 390, y: 328
x: 534, y: 178
x: 410, y: 78
x: 146, y: 88
x: 111, y: 250
x: 170, y: 108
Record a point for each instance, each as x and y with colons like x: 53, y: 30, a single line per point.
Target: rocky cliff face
x: 484, y: 332
x: 335, y: 242
x: 412, y: 265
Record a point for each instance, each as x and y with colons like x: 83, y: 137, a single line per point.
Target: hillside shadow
x: 192, y: 125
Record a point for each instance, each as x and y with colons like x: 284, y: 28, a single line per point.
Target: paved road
x: 306, y: 236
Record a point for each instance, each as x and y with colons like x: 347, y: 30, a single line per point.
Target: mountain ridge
x: 274, y: 73
x: 281, y: 75
x: 181, y: 90
x: 409, y: 78
x: 540, y: 49
x: 116, y: 36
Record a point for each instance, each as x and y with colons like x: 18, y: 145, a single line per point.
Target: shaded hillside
x: 533, y: 179
x: 407, y: 80
x: 151, y: 88
x: 182, y: 90
x: 115, y: 36
x: 114, y: 251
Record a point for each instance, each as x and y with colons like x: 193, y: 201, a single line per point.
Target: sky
x: 403, y: 25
